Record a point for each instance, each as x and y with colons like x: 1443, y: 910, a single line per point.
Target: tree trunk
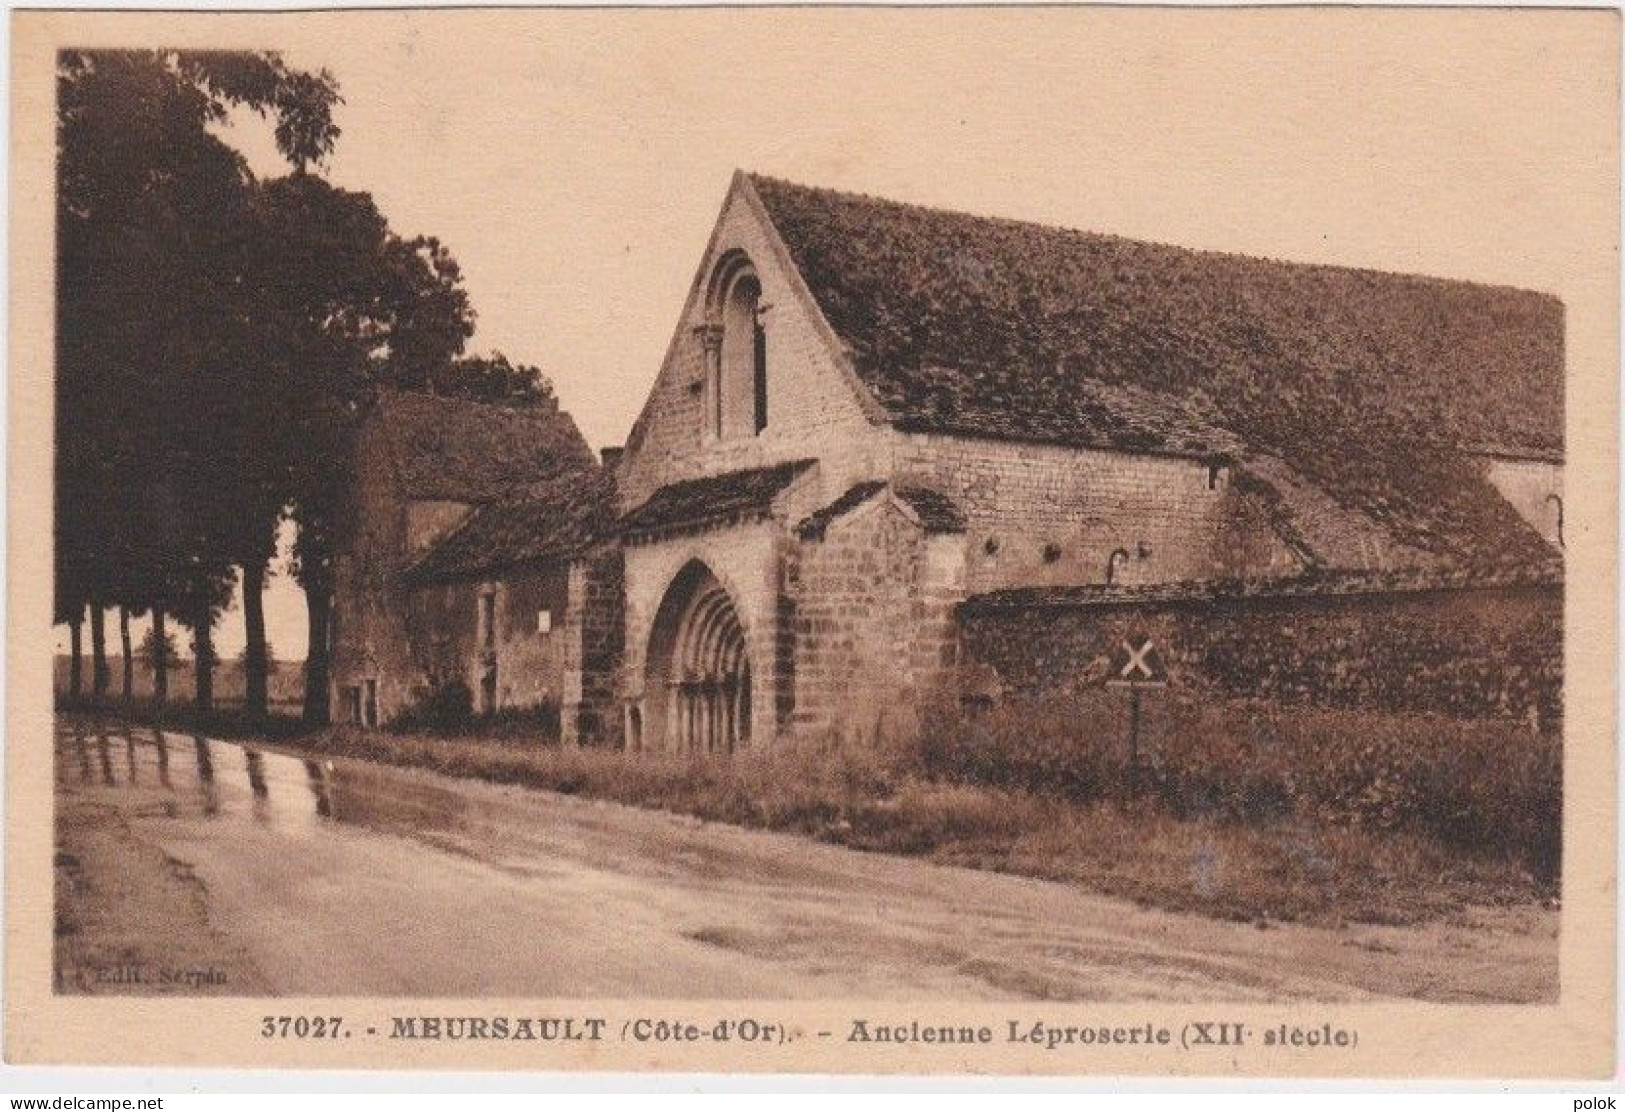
x: 203, y: 658
x: 160, y: 658
x: 124, y: 647
x: 318, y: 606
x: 76, y: 684
x: 254, y: 661
x: 98, y: 650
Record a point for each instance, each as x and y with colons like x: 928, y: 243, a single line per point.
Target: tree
x: 98, y: 650
x: 153, y: 338
x: 271, y: 661
x: 125, y: 654
x: 200, y: 593
x: 158, y: 649
x: 346, y: 307
x: 492, y: 378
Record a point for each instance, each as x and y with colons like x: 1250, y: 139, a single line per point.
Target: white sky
x: 574, y: 162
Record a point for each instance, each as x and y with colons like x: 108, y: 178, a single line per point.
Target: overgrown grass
x: 1244, y: 811
x: 1488, y: 789
x: 1240, y: 863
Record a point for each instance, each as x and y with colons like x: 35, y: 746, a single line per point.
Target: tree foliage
x: 219, y: 336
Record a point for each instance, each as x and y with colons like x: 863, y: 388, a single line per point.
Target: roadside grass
x: 1248, y: 812
x: 1269, y: 866
x: 1484, y: 789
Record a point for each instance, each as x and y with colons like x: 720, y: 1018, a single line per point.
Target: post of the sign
x: 1134, y: 741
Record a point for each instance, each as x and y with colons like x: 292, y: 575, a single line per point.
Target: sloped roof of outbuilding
x: 557, y: 519
x: 936, y: 511
x: 459, y: 450
x: 715, y: 498
x: 1355, y: 379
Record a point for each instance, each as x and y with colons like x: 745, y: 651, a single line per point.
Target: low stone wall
x: 1468, y: 653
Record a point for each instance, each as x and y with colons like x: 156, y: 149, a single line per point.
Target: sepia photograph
x: 1006, y: 538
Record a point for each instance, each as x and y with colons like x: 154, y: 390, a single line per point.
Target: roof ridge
x: 394, y: 395
x: 1135, y: 241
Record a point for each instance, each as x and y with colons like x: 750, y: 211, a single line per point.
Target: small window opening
x: 991, y: 546
x: 760, y: 352
x: 1213, y: 476
x: 1052, y: 552
x: 1118, y: 558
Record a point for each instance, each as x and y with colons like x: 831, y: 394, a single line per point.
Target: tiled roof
x: 552, y: 520
x: 814, y: 524
x: 716, y: 498
x: 1320, y: 530
x: 467, y: 451
x: 995, y: 328
x: 1545, y: 573
x: 936, y: 511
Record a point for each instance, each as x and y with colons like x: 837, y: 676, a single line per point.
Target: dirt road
x: 289, y: 876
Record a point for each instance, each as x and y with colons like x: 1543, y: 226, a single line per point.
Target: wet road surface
x: 342, y: 877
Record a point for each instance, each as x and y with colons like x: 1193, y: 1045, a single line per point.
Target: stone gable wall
x: 1535, y: 489
x: 872, y: 623
x: 1055, y: 515
x: 813, y: 411
x: 1464, y: 653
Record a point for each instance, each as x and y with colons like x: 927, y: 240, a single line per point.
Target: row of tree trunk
x: 101, y: 674
x: 256, y: 659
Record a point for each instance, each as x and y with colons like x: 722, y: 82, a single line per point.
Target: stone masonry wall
x: 1041, y: 515
x: 368, y: 635
x: 813, y: 411
x: 594, y: 630
x: 872, y: 623
x: 746, y: 560
x: 1535, y: 489
x: 447, y: 642
x: 1464, y: 653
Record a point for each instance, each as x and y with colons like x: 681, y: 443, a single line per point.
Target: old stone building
x: 896, y: 455
x: 454, y: 561
x: 889, y: 446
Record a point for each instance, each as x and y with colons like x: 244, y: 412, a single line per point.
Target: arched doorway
x: 698, y: 678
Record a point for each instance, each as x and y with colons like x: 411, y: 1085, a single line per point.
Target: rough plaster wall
x: 530, y: 664
x: 1083, y: 505
x: 443, y: 630
x: 813, y: 411
x: 1530, y: 485
x: 872, y: 624
x: 746, y: 559
x: 1476, y: 653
